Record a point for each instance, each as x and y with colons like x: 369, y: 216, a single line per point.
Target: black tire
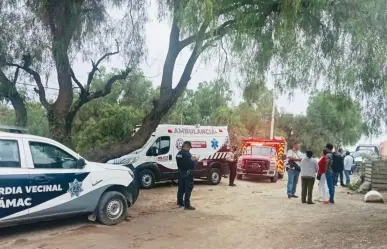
x: 239, y: 176
x: 112, y: 208
x: 280, y: 176
x: 214, y: 176
x: 147, y: 179
x: 274, y: 179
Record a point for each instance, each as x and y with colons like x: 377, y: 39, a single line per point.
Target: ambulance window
x: 162, y: 145
x: 9, y: 154
x: 46, y: 156
x: 165, y: 143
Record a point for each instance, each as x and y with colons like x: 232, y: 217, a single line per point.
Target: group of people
x: 186, y: 166
x: 327, y: 170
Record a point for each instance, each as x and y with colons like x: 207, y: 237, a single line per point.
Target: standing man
x: 348, y: 163
x: 340, y: 152
x: 232, y: 164
x: 330, y: 175
x: 293, y: 168
x: 186, y: 167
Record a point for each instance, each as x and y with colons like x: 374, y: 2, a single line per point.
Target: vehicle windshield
x: 259, y: 150
x: 362, y: 148
x: 364, y: 153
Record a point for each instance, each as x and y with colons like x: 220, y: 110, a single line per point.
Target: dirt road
x: 251, y: 215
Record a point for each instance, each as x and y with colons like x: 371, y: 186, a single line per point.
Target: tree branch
x: 95, y: 66
x: 40, y: 90
x: 235, y: 6
x: 16, y: 76
x: 109, y: 84
x: 79, y: 84
x: 198, y: 49
x: 221, y: 30
x: 87, y: 97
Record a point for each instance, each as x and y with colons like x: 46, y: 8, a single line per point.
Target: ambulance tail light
x: 170, y: 131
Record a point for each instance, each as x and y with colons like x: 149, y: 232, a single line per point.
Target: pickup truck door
x: 56, y: 181
x: 14, y: 202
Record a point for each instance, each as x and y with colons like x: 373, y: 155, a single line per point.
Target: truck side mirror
x: 152, y: 151
x: 81, y: 163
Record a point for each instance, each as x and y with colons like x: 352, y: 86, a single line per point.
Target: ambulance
x: 42, y: 179
x: 156, y: 160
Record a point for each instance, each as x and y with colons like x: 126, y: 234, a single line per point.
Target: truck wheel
x: 214, y: 176
x: 239, y: 177
x: 112, y: 208
x: 147, y: 179
x: 274, y: 178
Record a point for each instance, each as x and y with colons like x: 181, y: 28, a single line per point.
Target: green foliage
x: 335, y: 45
x: 330, y: 118
x: 113, y: 118
x: 197, y: 107
x: 102, y: 123
x: 36, y: 114
x: 340, y: 116
x: 90, y: 30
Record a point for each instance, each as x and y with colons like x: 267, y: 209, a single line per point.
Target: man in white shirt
x: 348, y: 163
x: 293, y: 168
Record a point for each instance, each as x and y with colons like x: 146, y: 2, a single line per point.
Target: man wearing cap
x: 186, y: 167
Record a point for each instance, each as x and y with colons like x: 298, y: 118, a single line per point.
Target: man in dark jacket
x: 340, y: 152
x: 186, y: 167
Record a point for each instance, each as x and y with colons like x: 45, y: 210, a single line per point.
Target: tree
x: 338, y: 115
x: 304, y: 31
x: 108, y: 120
x: 309, y: 39
x: 63, y: 29
x: 199, y: 106
x: 8, y: 91
x: 37, y: 124
x: 330, y: 118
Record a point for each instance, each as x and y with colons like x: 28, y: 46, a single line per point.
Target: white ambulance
x: 42, y: 179
x: 156, y: 160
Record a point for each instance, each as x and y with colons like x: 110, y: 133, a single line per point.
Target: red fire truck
x: 262, y: 157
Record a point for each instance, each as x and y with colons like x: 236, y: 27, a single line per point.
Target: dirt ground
x: 255, y: 214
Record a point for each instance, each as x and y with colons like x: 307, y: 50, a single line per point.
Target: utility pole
x: 273, y: 106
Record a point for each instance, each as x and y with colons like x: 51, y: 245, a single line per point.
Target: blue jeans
x: 347, y: 177
x: 331, y: 185
x: 292, y: 181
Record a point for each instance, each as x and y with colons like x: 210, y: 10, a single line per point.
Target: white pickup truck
x: 42, y: 179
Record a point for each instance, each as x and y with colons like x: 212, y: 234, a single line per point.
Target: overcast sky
x: 157, y: 38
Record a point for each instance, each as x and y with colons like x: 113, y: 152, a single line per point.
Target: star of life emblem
x: 75, y: 188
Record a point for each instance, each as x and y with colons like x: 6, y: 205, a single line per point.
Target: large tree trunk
x: 20, y: 109
x: 60, y: 127
x: 149, y: 125
x: 10, y: 92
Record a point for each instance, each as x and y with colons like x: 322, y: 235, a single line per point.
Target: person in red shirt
x: 322, y: 185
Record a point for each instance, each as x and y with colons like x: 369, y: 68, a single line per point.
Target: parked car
x: 42, y: 179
